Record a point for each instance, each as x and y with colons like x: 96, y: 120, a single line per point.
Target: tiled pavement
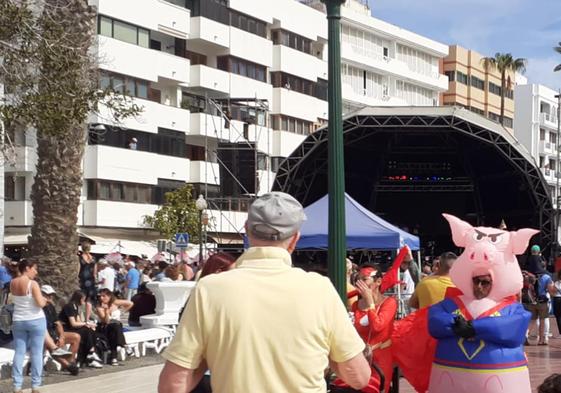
x: 543, y: 362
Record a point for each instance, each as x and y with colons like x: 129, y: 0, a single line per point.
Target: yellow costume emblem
x: 464, y: 351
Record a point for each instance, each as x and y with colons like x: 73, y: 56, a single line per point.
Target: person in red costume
x: 374, y: 314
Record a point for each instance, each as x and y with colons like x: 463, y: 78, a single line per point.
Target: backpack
x: 529, y: 288
x: 6, y: 313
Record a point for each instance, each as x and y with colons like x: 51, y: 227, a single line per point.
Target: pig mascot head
x: 488, y: 251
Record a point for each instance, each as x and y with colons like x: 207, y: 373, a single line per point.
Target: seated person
x: 56, y: 338
x: 72, y: 322
x: 144, y: 303
x: 109, y: 312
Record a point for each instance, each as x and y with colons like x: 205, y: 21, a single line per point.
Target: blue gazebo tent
x: 364, y: 229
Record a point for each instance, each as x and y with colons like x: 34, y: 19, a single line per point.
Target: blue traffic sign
x: 181, y: 239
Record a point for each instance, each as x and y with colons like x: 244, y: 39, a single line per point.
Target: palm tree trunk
x: 65, y: 86
x: 55, y: 196
x: 503, y: 87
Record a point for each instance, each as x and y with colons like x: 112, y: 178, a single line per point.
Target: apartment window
x: 247, y: 23
x: 124, y: 84
x: 451, y: 75
x: 165, y: 142
x: 364, y: 42
x: 461, y: 77
x: 494, y: 117
x: 477, y: 110
x: 241, y: 67
x: 542, y: 134
x: 108, y: 190
x: 216, y: 10
x: 507, y: 122
x: 291, y: 82
x: 553, y: 139
x: 509, y: 94
x: 195, y: 58
x: 14, y: 188
x: 105, y: 26
x: 195, y: 153
x: 292, y: 124
x: 123, y: 31
x: 417, y: 61
x: 294, y: 41
x: 363, y: 82
x: 495, y: 89
x: 477, y: 83
x: 321, y: 89
x: 415, y: 95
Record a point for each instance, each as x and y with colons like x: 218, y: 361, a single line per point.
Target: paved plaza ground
x: 141, y: 375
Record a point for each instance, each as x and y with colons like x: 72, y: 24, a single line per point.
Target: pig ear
x: 519, y: 240
x: 459, y: 229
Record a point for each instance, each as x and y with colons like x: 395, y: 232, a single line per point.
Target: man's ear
x: 293, y: 241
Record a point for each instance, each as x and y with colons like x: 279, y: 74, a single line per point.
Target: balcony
x: 548, y: 120
x: 115, y: 214
x: 360, y: 97
x: 549, y: 175
x: 205, y: 172
x: 120, y: 164
x: 150, y: 64
x: 241, y: 86
x: 156, y: 15
x: 21, y: 159
x: 389, y: 66
x: 284, y: 143
x: 298, y: 105
x: 204, y: 124
x: 251, y: 47
x: 18, y: 213
x: 153, y: 115
x: 209, y: 80
x: 297, y: 63
x: 547, y: 147
x: 208, y: 32
x: 227, y: 221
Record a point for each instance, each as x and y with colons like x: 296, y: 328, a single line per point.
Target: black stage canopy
x: 410, y: 164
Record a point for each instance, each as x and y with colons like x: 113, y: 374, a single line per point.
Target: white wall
x: 113, y: 163
x: 115, y: 214
x: 157, y: 15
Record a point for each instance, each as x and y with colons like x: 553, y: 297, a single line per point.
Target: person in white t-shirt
x: 408, y: 285
x: 105, y: 276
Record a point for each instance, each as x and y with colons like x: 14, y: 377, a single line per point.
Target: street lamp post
x: 201, y: 205
x: 336, y: 164
x: 557, y: 173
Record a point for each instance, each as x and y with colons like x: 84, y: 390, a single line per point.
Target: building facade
x: 228, y: 90
x: 478, y: 89
x: 536, y: 125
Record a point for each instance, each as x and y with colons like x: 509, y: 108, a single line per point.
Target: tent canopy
x: 364, y: 229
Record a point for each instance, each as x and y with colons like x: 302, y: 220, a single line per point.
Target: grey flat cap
x: 275, y: 216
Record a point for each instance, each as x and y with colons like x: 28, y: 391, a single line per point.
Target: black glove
x: 463, y: 328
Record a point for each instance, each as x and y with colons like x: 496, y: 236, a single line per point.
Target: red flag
x: 391, y: 278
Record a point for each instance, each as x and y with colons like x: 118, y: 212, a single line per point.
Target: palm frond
x: 558, y: 68
x: 558, y: 48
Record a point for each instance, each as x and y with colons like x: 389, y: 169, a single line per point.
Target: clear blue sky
x: 525, y: 28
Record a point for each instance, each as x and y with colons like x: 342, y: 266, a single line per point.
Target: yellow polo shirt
x: 432, y: 290
x: 264, y: 327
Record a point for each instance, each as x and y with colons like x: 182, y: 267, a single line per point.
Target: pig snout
x: 481, y: 252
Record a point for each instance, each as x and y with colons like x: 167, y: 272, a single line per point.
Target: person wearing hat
x: 265, y: 326
x: 133, y: 143
x: 56, y: 338
x: 534, y: 262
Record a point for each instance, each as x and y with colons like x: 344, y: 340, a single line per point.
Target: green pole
x: 336, y: 162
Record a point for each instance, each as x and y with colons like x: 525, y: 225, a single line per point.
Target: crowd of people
x: 265, y: 326
x: 88, y: 329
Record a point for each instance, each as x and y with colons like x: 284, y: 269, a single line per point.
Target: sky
x: 525, y: 28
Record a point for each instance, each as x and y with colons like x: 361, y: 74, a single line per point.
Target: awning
x: 227, y: 238
x: 105, y: 246
x: 20, y: 239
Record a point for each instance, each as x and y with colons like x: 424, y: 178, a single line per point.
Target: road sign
x: 181, y: 240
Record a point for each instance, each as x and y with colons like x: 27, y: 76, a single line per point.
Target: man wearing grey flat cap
x: 265, y: 326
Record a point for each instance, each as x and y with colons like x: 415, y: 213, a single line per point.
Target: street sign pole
x: 336, y: 163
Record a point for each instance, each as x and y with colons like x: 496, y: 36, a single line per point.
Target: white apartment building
x: 228, y: 89
x: 535, y: 126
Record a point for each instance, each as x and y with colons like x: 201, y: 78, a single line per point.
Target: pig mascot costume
x: 480, y: 341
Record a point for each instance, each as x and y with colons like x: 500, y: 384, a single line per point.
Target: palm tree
x: 558, y: 50
x: 504, y: 62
